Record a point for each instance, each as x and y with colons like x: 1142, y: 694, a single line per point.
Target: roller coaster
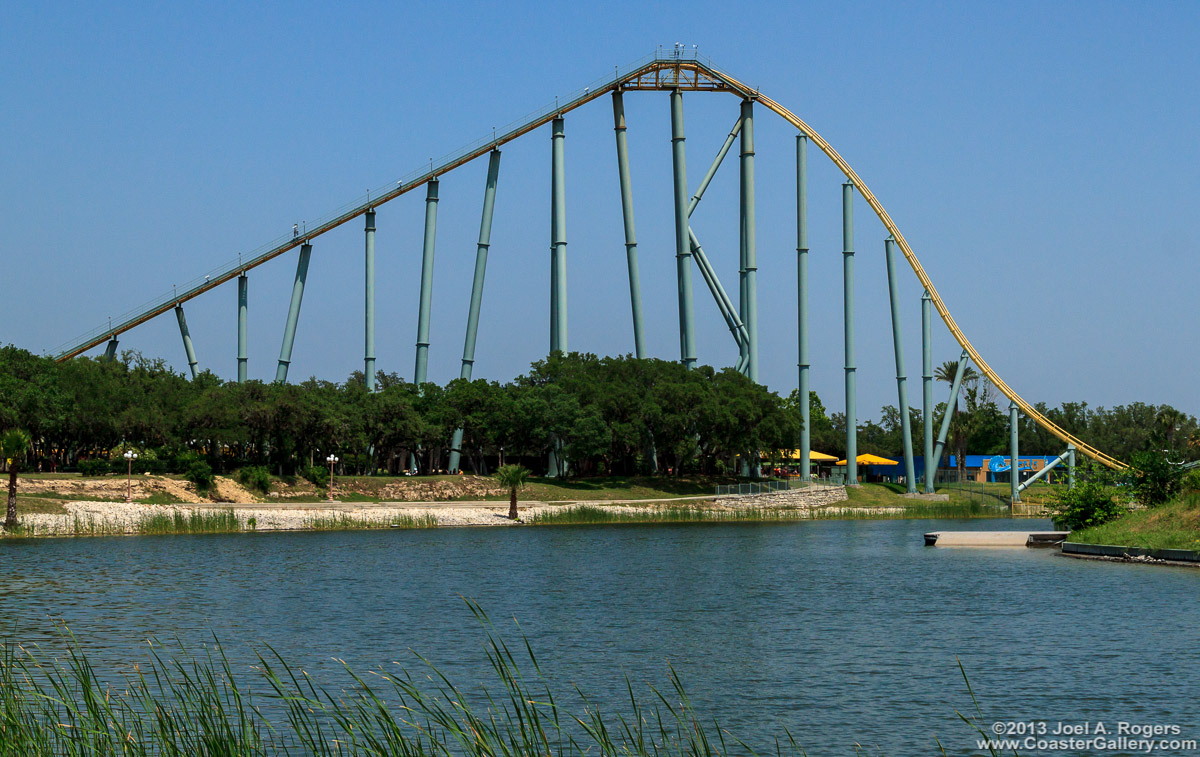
x: 675, y: 71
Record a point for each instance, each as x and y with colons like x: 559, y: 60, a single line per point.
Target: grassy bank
x: 1175, y: 525
x: 213, y: 522
x: 888, y: 498
x: 343, y: 522
x: 591, y: 515
x: 917, y: 511
x: 871, y: 502
x: 208, y: 706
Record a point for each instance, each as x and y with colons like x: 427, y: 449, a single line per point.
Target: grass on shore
x: 889, y: 497
x: 580, y: 515
x: 1175, y: 525
x: 194, y: 522
x: 176, y: 522
x: 216, y: 522
x: 199, y: 705
x: 344, y: 522
x: 877, y: 504
x: 916, y: 511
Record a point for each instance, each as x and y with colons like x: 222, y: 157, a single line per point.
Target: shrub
x: 200, y: 473
x: 94, y: 467
x: 183, y: 461
x: 1088, y: 503
x: 1154, y: 478
x: 317, y: 475
x: 255, y: 477
x: 154, y: 467
x: 1191, y: 481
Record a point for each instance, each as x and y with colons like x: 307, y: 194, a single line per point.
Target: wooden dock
x: 995, y: 538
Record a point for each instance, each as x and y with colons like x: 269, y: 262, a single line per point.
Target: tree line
x: 612, y: 415
x: 604, y: 415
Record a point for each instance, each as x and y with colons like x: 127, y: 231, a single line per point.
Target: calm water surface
x: 841, y: 631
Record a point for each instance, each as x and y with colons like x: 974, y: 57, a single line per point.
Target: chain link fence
x: 766, y: 487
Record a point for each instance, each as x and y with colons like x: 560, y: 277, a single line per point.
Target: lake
x: 843, y: 632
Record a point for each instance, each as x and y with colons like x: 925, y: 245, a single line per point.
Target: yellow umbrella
x: 813, y: 455
x: 871, y: 460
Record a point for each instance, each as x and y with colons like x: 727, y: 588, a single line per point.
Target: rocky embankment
x: 807, y: 498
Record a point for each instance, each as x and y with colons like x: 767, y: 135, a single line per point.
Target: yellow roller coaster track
x: 660, y: 73
x: 926, y: 282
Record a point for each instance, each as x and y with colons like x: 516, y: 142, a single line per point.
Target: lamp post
x: 332, y: 460
x: 129, y: 456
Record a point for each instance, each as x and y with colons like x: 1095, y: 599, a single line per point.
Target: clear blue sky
x: 1042, y: 159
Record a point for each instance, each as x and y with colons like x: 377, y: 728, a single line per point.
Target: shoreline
x: 102, y: 518
x: 109, y: 518
x: 91, y: 518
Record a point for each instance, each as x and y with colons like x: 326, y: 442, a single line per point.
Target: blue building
x: 976, y: 466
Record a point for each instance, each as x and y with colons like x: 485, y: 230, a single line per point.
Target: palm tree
x: 958, y: 437
x: 512, y: 477
x: 14, y: 443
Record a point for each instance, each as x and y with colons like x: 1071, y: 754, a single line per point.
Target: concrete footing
x: 1076, y: 549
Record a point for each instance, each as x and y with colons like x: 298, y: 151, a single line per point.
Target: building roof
x: 869, y: 459
x: 813, y: 455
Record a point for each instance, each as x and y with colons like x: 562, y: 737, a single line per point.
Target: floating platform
x: 995, y: 538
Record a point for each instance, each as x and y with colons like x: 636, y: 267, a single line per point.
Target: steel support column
x: 955, y: 386
x: 293, y: 316
x: 558, y: 267
x: 243, y: 305
x: 421, y: 367
x: 1070, y: 466
x: 369, y: 304
x: 910, y: 477
x: 110, y: 352
x: 749, y: 287
x: 481, y: 256
x: 724, y: 304
x: 848, y: 302
x: 553, y: 258
x: 187, y: 339
x: 802, y: 300
x: 558, y: 238
x: 683, y: 248
x: 631, y: 256
x: 712, y: 169
x: 927, y: 388
x: 1045, y: 469
x: 1015, y: 467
